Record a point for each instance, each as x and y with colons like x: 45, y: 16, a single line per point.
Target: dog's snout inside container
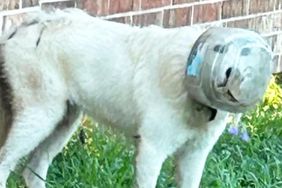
x: 230, y: 69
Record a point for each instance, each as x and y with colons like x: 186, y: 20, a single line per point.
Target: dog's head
x: 229, y: 69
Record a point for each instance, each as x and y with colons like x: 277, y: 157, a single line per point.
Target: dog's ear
x: 213, y: 113
x: 202, y: 113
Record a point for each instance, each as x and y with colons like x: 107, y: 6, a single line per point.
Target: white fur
x: 128, y: 77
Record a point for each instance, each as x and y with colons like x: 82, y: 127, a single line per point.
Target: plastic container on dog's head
x: 229, y: 69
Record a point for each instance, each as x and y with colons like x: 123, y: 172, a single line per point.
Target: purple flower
x: 245, y: 136
x: 233, y: 130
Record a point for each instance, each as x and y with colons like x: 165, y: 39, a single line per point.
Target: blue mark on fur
x: 193, y: 68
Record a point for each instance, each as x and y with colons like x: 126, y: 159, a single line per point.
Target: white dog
x: 55, y: 66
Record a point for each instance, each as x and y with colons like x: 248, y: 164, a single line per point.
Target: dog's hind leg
x: 36, y: 170
x: 192, y: 156
x: 30, y: 126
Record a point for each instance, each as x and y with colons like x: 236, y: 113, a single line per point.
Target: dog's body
x: 131, y: 78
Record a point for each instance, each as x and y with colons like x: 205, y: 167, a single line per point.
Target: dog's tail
x: 6, y: 111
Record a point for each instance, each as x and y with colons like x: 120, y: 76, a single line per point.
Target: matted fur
x: 127, y: 77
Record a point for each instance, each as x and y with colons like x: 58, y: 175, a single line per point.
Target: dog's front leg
x: 192, y: 156
x: 161, y: 133
x: 148, y: 164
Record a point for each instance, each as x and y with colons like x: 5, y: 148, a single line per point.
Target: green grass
x: 106, y: 160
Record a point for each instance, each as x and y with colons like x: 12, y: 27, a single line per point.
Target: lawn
x: 97, y: 157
